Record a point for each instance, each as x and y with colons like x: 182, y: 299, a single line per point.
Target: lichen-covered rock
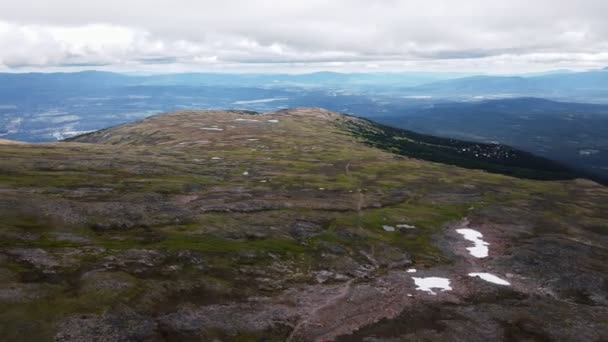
x: 117, y: 326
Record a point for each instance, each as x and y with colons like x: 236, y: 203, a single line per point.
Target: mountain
x: 573, y: 133
x: 298, y: 225
x: 35, y: 81
x: 589, y: 86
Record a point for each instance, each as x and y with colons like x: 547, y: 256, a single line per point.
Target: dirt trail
x: 360, y: 201
x: 313, y: 313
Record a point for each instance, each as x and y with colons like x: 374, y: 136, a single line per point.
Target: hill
x: 572, y: 133
x: 298, y: 225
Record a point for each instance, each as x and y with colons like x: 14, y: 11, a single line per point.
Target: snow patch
x: 480, y: 250
x: 406, y: 226
x: 429, y: 283
x: 388, y: 228
x: 212, y: 129
x: 411, y: 270
x: 273, y: 120
x: 490, y: 278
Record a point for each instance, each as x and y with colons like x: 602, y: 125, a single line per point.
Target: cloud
x: 315, y: 34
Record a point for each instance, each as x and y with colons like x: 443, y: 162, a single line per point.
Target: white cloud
x: 305, y: 34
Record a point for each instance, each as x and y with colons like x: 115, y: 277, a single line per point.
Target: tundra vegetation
x: 234, y: 225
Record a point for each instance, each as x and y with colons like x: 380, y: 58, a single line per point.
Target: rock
x: 331, y: 248
x: 135, y: 260
x: 304, y: 229
x: 392, y: 257
x: 37, y: 257
x: 70, y: 237
x: 323, y: 276
x: 121, y: 326
x: 108, y: 282
x: 20, y: 236
x: 190, y: 323
x: 13, y: 292
x: 191, y: 257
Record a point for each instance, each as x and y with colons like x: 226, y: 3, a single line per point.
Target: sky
x: 486, y: 36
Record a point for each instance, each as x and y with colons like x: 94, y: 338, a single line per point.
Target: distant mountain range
x: 590, y: 86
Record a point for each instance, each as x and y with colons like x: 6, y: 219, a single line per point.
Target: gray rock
x: 304, y: 229
x: 110, y: 327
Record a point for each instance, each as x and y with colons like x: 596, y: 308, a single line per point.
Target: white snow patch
x: 480, y: 250
x: 273, y: 120
x: 490, y: 278
x: 216, y: 158
x: 248, y: 120
x: 253, y: 139
x: 212, y: 129
x: 388, y: 228
x: 406, y: 226
x: 429, y: 283
x: 411, y: 270
x: 246, y: 173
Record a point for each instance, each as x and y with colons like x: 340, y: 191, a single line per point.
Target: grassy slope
x: 129, y: 188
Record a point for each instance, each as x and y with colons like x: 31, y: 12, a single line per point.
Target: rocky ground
x: 231, y: 226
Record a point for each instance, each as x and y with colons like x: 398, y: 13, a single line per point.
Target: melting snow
x: 248, y: 120
x: 246, y: 173
x: 273, y: 120
x: 429, y: 283
x: 388, y: 228
x: 216, y: 158
x: 411, y: 270
x: 480, y: 250
x: 212, y: 129
x: 490, y: 278
x: 406, y: 226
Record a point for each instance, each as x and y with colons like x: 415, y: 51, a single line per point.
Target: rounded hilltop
x: 299, y: 225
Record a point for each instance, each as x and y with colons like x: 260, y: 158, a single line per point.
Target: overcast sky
x: 303, y: 35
